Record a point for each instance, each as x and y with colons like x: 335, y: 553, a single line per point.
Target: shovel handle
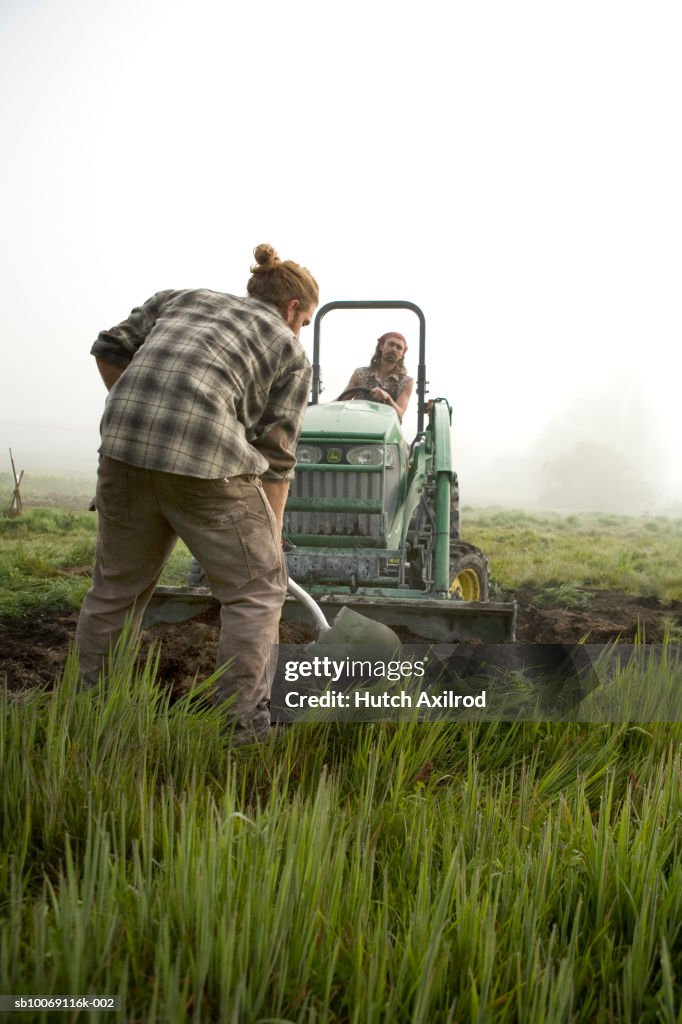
x: 312, y: 606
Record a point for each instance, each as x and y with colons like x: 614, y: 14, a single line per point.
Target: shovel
x: 350, y: 630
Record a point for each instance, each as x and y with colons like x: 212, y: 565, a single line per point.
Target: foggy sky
x: 512, y: 168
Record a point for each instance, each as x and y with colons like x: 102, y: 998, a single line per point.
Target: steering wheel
x: 355, y: 393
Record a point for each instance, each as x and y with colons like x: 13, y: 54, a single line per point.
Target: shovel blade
x: 355, y: 633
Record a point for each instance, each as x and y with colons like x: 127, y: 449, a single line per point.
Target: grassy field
x: 387, y: 872
x: 46, y: 559
x: 46, y: 555
x: 50, y: 490
x: 635, y: 555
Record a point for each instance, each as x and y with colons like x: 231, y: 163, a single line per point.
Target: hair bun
x: 279, y: 281
x: 266, y: 257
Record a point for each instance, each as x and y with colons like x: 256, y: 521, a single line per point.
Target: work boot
x: 249, y: 736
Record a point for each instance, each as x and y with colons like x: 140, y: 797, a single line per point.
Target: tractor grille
x: 311, y: 484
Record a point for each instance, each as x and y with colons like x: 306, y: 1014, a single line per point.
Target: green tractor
x: 372, y: 523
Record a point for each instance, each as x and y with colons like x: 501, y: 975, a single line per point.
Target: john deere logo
x: 334, y: 455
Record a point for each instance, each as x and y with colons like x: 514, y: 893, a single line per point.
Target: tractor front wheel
x: 469, y: 579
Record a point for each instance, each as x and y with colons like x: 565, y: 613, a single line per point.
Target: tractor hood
x: 359, y: 418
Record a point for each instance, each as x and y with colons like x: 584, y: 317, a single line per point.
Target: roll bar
x: 374, y: 304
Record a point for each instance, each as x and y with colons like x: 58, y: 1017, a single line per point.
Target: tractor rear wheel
x: 469, y: 579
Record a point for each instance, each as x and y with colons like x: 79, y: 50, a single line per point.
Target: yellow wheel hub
x: 466, y: 586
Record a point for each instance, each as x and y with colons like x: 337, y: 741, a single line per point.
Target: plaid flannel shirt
x: 214, y: 386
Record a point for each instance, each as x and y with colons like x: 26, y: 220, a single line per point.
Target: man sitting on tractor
x: 385, y: 379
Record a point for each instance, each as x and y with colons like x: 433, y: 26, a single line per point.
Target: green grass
x: 46, y: 555
x: 395, y: 872
x: 370, y: 873
x: 634, y: 555
x: 46, y: 560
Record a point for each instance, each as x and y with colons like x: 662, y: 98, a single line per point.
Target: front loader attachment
x: 441, y: 621
x: 177, y: 604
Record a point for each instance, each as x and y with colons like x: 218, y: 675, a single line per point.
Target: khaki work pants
x: 229, y: 527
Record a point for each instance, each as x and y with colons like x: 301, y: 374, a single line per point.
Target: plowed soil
x: 33, y: 648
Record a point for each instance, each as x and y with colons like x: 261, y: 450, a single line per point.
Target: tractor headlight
x: 367, y: 455
x: 308, y: 453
